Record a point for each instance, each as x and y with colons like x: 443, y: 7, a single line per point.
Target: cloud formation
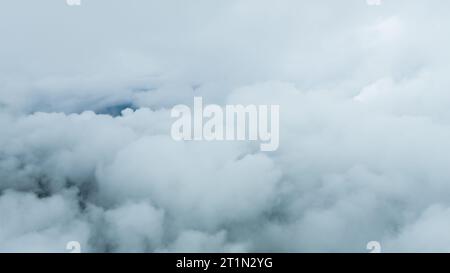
x: 86, y: 153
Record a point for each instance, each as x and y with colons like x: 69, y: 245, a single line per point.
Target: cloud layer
x: 86, y: 153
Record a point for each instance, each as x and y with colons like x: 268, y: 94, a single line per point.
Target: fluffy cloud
x: 86, y: 153
x: 31, y: 224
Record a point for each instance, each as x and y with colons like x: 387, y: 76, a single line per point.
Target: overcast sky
x: 364, y: 93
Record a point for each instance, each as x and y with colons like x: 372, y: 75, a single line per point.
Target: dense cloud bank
x: 86, y: 153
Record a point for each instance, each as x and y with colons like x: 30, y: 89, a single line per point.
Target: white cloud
x: 364, y: 126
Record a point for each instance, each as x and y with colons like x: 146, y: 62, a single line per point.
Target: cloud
x: 86, y: 153
x: 32, y: 224
x: 194, y: 241
x: 134, y: 227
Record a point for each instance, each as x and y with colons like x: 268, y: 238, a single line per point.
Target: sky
x: 85, y: 147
